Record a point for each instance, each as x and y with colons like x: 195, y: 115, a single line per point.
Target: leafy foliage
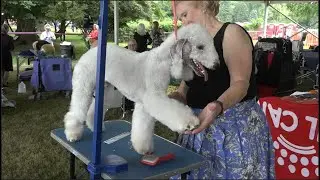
x: 305, y: 13
x: 255, y: 24
x: 67, y: 10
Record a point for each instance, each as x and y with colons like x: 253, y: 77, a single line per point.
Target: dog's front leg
x: 175, y: 115
x: 142, y: 130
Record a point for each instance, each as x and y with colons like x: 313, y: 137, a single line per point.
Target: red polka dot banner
x: 295, y: 133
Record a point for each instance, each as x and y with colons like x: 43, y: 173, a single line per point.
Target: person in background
x: 233, y: 135
x: 6, y: 57
x: 93, y: 36
x: 72, y: 26
x: 132, y: 45
x: 156, y: 35
x: 142, y: 37
x: 46, y: 37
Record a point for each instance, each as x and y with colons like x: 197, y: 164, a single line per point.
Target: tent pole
x: 265, y: 21
x: 94, y: 167
x: 116, y: 22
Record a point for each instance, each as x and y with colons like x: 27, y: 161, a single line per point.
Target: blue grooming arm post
x: 95, y: 167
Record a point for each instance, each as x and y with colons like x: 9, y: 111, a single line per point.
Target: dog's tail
x: 83, y: 84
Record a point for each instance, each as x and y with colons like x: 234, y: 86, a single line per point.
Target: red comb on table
x: 152, y: 160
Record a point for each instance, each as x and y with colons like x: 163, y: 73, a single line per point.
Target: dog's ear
x: 182, y: 48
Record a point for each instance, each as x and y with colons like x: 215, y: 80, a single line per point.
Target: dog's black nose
x: 216, y: 65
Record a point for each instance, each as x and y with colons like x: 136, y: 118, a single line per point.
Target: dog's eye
x: 200, y: 47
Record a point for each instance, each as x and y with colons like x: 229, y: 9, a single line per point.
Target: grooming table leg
x: 72, y: 166
x: 18, y: 66
x: 184, y: 175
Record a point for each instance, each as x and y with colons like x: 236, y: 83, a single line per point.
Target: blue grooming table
x: 184, y: 162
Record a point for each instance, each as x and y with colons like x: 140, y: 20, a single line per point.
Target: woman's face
x: 132, y: 45
x: 187, y: 13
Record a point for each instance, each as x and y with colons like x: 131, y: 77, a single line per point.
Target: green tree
x: 234, y: 11
x: 128, y: 11
x: 226, y: 11
x: 240, y: 12
x: 64, y: 11
x: 276, y: 17
x: 305, y: 14
x: 25, y: 14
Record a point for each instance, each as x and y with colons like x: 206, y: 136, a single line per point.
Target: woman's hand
x: 207, y: 116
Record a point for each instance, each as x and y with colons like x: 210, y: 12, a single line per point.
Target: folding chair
x: 309, y: 67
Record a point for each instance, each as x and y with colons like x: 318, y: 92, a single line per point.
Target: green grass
x: 28, y: 151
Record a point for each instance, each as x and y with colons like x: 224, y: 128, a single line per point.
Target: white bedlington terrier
x: 144, y: 79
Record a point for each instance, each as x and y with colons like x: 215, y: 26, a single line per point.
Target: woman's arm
x: 237, y: 52
x: 42, y: 36
x: 181, y: 93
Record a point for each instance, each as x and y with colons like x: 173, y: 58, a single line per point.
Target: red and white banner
x: 295, y: 134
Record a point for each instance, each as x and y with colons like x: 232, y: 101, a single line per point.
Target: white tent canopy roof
x: 116, y: 13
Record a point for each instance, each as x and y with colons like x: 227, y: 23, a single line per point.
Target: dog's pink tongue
x: 204, y: 72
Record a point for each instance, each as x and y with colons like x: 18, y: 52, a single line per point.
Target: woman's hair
x: 156, y: 23
x: 141, y: 29
x: 96, y: 26
x: 4, y: 29
x: 210, y: 7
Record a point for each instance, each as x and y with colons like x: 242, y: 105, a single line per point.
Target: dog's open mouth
x: 198, y: 69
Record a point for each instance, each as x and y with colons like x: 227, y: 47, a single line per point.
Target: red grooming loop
x: 174, y: 18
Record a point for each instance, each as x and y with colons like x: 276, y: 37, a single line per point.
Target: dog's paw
x: 184, y: 121
x: 193, y: 123
x: 73, y: 127
x: 142, y: 145
x: 73, y: 134
x: 187, y: 123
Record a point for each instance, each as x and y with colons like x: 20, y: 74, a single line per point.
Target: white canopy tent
x: 268, y: 4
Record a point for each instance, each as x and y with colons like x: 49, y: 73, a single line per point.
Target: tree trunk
x: 9, y: 25
x: 26, y: 26
x: 55, y: 26
x: 2, y: 20
x: 62, y: 29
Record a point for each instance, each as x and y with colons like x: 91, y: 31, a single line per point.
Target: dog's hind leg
x: 142, y: 130
x: 90, y: 115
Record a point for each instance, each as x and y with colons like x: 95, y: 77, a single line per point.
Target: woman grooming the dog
x: 233, y: 134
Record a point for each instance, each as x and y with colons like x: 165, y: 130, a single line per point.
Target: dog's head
x: 195, y: 50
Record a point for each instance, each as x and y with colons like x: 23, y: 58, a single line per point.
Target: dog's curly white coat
x: 144, y: 79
